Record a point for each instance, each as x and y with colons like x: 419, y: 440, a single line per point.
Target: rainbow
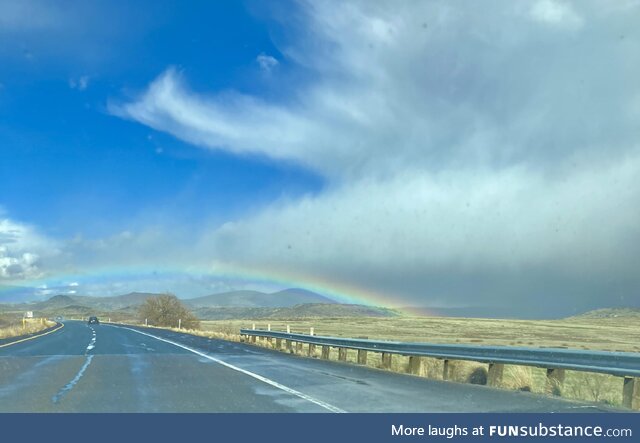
x: 264, y: 276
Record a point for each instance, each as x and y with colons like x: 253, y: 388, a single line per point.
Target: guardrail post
x: 298, y: 347
x: 628, y: 392
x: 342, y: 354
x: 312, y: 350
x: 362, y: 357
x: 278, y: 343
x: 555, y: 379
x: 415, y: 365
x: 446, y: 370
x: 253, y: 339
x: 288, y: 345
x: 325, y: 352
x: 386, y: 360
x: 494, y: 377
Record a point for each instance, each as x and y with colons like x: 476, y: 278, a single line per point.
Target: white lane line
x: 69, y: 386
x: 92, y: 343
x: 244, y: 371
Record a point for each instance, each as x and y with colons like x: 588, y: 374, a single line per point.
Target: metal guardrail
x: 614, y: 363
x: 555, y: 360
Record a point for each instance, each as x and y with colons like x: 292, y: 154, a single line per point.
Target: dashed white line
x: 92, y: 343
x: 69, y: 386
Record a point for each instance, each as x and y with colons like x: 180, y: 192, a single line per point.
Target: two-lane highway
x: 108, y: 368
x: 101, y: 368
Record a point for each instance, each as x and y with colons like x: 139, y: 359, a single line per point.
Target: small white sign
x: 29, y: 314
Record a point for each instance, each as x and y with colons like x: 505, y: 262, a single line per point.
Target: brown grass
x: 611, y: 334
x: 604, y: 334
x: 13, y: 327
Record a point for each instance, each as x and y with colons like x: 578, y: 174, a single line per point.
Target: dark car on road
x: 93, y: 321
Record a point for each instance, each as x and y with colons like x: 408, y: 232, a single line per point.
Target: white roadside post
x: 311, y: 347
x: 179, y: 323
x: 145, y: 322
x: 287, y: 342
x: 268, y: 329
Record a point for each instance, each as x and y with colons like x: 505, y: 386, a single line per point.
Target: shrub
x: 166, y: 310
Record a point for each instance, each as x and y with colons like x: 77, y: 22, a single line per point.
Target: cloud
x: 556, y: 13
x: 80, y: 83
x: 22, y: 250
x: 469, y: 156
x: 392, y: 94
x: 266, y: 62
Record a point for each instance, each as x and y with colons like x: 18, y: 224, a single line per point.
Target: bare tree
x: 167, y: 310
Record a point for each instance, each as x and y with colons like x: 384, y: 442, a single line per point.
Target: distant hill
x: 132, y: 299
x: 622, y: 313
x: 285, y: 298
x: 56, y: 302
x: 62, y: 306
x: 288, y: 303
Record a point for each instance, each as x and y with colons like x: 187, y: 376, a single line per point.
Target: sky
x: 418, y: 153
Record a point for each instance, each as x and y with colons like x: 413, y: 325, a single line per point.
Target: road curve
x: 109, y: 368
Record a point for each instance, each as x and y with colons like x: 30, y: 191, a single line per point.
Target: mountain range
x: 291, y: 303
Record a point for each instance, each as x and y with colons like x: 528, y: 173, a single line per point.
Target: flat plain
x: 608, y: 333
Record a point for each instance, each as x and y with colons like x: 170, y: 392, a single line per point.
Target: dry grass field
x: 12, y: 326
x: 610, y: 334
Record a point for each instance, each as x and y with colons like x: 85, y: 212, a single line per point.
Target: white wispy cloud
x: 81, y: 83
x: 266, y: 62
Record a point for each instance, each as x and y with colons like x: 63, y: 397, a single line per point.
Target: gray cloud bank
x: 483, y: 154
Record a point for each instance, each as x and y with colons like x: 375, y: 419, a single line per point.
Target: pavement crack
x: 69, y: 386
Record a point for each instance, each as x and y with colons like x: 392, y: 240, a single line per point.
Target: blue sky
x: 75, y: 168
x: 428, y: 153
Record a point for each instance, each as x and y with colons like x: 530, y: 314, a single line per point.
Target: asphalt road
x: 106, y: 368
